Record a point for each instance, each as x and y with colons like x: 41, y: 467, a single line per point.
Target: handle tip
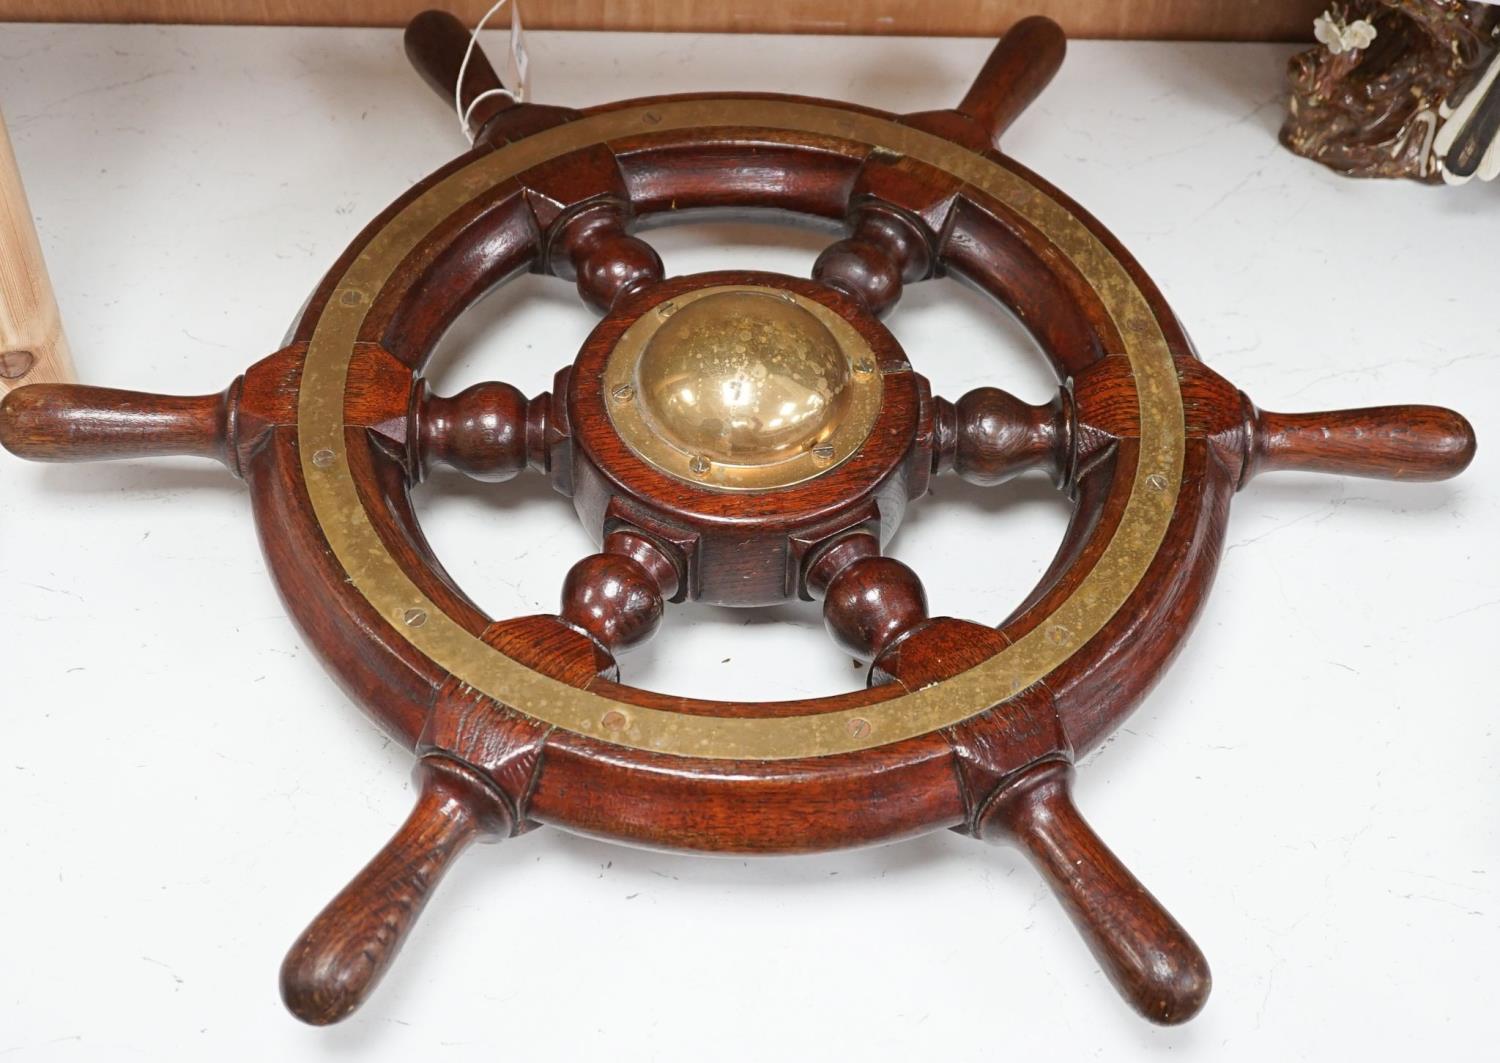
x: 1175, y: 990
x: 316, y: 992
x: 13, y: 409
x: 433, y: 21
x: 349, y: 946
x: 1153, y: 962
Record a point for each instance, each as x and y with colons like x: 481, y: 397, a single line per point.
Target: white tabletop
x: 1311, y: 790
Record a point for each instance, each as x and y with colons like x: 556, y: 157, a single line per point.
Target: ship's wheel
x: 741, y: 439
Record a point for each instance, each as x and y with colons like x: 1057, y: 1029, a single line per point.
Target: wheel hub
x: 742, y: 387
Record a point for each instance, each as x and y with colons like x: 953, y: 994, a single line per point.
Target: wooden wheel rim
x: 519, y: 721
x: 380, y: 580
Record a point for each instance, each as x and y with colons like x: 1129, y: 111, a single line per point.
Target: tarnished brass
x: 1068, y: 627
x: 742, y: 388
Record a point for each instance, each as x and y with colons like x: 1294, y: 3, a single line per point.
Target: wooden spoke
x: 884, y: 250
x: 618, y: 594
x: 435, y: 44
x: 989, y: 436
x: 1019, y: 68
x: 77, y: 422
x: 1381, y: 442
x: 1142, y: 949
x: 593, y: 248
x: 346, y: 950
x: 489, y: 431
x: 869, y: 601
x: 740, y: 438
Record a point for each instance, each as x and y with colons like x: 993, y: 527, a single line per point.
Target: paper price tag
x: 517, y: 66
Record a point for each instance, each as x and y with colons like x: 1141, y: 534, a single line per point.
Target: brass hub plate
x: 1067, y: 629
x: 742, y: 388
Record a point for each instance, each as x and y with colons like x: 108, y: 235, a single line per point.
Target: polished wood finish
x: 33, y: 347
x: 869, y: 601
x: 593, y: 248
x: 884, y: 250
x: 77, y: 422
x: 346, y: 950
x: 989, y: 436
x: 1385, y: 442
x: 482, y: 431
x: 725, y: 559
x: 618, y: 595
x: 487, y: 768
x: 1022, y: 64
x: 436, y: 43
x: 1141, y: 947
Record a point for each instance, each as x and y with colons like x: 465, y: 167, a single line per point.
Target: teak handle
x: 78, y: 422
x: 346, y: 950
x: 1019, y: 68
x: 1143, y: 950
x: 435, y: 44
x: 1385, y: 442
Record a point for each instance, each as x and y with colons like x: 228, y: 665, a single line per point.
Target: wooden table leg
x: 33, y: 349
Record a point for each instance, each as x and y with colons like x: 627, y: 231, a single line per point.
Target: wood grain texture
x: 1383, y: 442
x: 33, y: 347
x: 1000, y: 768
x: 1142, y: 949
x: 77, y: 422
x: 348, y: 947
x: 1275, y: 20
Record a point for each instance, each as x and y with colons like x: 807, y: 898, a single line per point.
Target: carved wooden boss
x: 740, y: 438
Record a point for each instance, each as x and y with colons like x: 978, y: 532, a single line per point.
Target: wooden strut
x: 486, y: 771
x: 33, y: 348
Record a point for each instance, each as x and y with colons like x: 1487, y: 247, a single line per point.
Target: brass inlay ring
x: 846, y: 407
x: 374, y: 573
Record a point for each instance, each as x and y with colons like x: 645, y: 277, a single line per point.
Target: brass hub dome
x: 743, y: 378
x: 742, y: 387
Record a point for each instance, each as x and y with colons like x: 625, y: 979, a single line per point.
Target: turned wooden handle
x: 347, y: 949
x: 1020, y: 67
x: 1142, y: 949
x: 1386, y: 442
x: 989, y: 436
x: 33, y: 348
x: 435, y: 45
x: 77, y: 422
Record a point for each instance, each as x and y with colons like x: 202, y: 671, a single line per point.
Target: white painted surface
x: 1312, y: 789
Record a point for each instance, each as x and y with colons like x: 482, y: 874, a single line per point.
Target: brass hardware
x: 1096, y: 599
x: 742, y: 388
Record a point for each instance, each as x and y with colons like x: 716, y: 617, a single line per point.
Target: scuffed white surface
x: 1312, y: 789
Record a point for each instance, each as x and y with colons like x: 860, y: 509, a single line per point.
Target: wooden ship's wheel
x: 741, y: 439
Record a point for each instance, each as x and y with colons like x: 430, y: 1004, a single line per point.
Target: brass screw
x: 1156, y: 481
x: 666, y: 309
x: 414, y: 617
x: 823, y: 453
x: 622, y: 393
x: 614, y: 720
x: 351, y: 297
x: 699, y: 465
x: 859, y: 727
x: 323, y: 458
x: 864, y: 367
x: 651, y: 118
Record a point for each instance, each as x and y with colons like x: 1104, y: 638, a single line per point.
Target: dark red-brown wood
x: 486, y: 769
x: 1142, y: 948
